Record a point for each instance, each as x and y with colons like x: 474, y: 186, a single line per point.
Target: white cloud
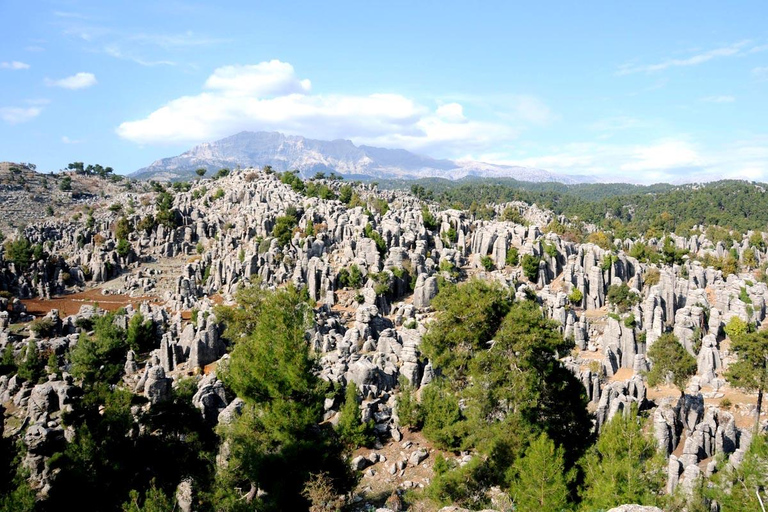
x: 15, y: 115
x: 664, y: 155
x: 739, y: 48
x: 14, y: 65
x: 273, y: 78
x: 760, y: 72
x: 67, y: 140
x: 116, y: 52
x: 76, y: 81
x: 668, y: 160
x: 719, y: 99
x: 271, y: 96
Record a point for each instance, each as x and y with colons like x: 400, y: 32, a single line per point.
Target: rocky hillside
x: 27, y: 196
x: 285, y: 152
x: 371, y: 270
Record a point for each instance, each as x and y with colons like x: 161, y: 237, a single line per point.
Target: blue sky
x: 628, y: 91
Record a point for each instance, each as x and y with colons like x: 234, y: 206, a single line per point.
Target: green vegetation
x: 671, y: 362
x: 513, y: 257
x: 623, y: 467
x: 284, y: 226
x: 430, y: 222
x: 511, y: 390
x: 622, y: 208
x: 750, y: 370
x: 575, y: 297
x: 20, y: 252
x: 531, y: 267
x: 352, y: 278
x: 374, y: 235
x: 351, y: 429
x: 622, y: 297
x: 275, y: 442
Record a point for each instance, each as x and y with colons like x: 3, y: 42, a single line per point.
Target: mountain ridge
x: 284, y: 152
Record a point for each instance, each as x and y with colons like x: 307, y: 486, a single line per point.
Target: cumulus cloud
x: 16, y: 115
x: 273, y: 78
x: 76, y: 81
x: 14, y: 65
x: 271, y: 96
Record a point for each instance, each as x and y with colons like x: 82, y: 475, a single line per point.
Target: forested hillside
x: 633, y: 209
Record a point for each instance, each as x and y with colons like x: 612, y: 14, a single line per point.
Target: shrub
x: 374, y: 235
x: 43, y: 328
x: 352, y: 431
x: 622, y: 297
x: 123, y: 247
x: 430, y: 222
x: 408, y: 411
x: 441, y: 414
x: 487, y: 263
x: 575, y: 296
x: 652, y: 277
x: 531, y: 267
x: 122, y: 228
x: 513, y: 256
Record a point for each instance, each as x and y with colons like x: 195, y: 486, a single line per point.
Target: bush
x: 123, y: 247
x: 352, y: 278
x: 441, y: 415
x: 575, y: 296
x: 32, y: 364
x: 408, y: 410
x: 513, y: 256
x: 531, y: 267
x: 65, y: 185
x: 122, y: 228
x: 652, y: 277
x: 487, y: 263
x: 430, y: 222
x: 374, y: 235
x: 622, y: 297
x: 43, y: 328
x: 19, y: 252
x: 352, y: 431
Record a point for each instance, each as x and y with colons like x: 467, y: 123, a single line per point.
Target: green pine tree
x: 671, y: 362
x: 622, y: 467
x: 539, y: 480
x: 750, y: 371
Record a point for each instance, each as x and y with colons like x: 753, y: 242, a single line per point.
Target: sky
x: 639, y: 92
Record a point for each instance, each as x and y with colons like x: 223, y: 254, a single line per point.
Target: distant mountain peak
x: 309, y: 156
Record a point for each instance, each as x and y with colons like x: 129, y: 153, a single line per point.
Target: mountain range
x: 309, y: 156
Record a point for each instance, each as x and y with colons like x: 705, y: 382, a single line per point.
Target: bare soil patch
x: 70, y: 304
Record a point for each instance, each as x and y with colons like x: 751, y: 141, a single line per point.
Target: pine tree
x: 622, y: 467
x: 750, y: 371
x: 744, y: 488
x: 275, y: 445
x: 670, y: 362
x: 539, y: 481
x: 351, y: 428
